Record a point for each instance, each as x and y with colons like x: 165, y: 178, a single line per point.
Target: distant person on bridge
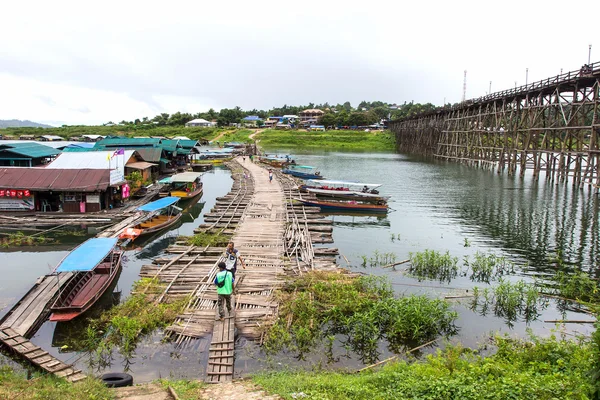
x: 270, y: 175
x: 224, y: 281
x: 232, y: 256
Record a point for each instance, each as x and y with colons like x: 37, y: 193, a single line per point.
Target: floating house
x: 26, y: 154
x: 59, y: 190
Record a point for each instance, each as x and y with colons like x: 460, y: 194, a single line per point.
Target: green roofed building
x: 113, y: 142
x: 26, y: 154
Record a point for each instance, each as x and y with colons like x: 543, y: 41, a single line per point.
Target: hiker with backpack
x: 224, y: 281
x: 231, y: 259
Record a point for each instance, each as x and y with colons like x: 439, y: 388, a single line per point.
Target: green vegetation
x: 186, y: 390
x: 431, y: 264
x: 20, y: 239
x: 485, y: 267
x: 378, y: 259
x: 509, y: 300
x: 49, y: 387
x: 208, y: 239
x: 331, y: 140
x: 241, y: 136
x: 122, y: 326
x: 540, y: 369
x: 317, y: 306
x: 578, y: 286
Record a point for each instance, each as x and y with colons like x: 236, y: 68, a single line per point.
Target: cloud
x: 126, y: 60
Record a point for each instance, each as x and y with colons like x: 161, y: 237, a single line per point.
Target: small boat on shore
x: 160, y: 214
x: 277, y: 161
x: 95, y: 264
x: 302, y: 171
x: 186, y: 185
x: 346, y: 205
x: 345, y: 190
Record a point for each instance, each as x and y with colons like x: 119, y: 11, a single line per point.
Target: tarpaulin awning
x: 87, y: 255
x: 139, y: 165
x: 186, y: 177
x: 159, y: 204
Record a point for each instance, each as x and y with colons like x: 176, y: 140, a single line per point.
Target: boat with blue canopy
x: 160, y: 214
x: 302, y: 171
x: 94, y: 264
x: 186, y: 185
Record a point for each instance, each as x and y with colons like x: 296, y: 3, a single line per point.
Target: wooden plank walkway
x: 38, y: 356
x: 31, y: 311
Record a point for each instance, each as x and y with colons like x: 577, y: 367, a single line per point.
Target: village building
x: 91, y: 138
x: 200, y: 123
x: 310, y: 117
x: 27, y: 137
x: 26, y: 154
x: 50, y: 138
x: 251, y: 120
x: 60, y: 190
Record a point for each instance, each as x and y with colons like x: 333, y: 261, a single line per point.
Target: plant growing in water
x: 486, y: 267
x: 431, y: 264
x: 320, y: 305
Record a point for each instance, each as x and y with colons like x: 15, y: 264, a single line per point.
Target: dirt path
x: 256, y: 132
x: 225, y: 391
x: 220, y: 136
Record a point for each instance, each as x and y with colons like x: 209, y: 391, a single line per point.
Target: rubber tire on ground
x: 117, y: 379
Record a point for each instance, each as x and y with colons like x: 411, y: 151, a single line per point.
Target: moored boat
x: 160, y: 214
x: 95, y: 264
x: 342, y: 205
x: 302, y: 171
x: 277, y: 161
x: 345, y: 190
x: 186, y: 185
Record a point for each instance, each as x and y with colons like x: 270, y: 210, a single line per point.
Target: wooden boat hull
x: 187, y: 195
x: 83, y: 297
x: 345, y: 194
x: 276, y: 164
x: 148, y: 229
x: 341, y: 206
x: 302, y: 175
x: 201, y: 167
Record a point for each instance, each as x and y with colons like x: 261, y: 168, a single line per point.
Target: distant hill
x: 16, y: 123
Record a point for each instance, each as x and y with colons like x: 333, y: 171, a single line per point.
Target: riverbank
x: 330, y: 140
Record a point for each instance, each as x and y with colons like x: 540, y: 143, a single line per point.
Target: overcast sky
x: 90, y: 62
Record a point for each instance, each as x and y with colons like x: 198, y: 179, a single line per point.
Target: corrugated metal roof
x: 60, y: 180
x: 150, y: 154
x: 32, y: 150
x: 169, y: 145
x: 125, y: 142
x: 90, y: 160
x: 188, y: 144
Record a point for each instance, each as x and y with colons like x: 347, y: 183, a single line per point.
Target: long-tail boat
x: 302, y: 171
x: 96, y: 263
x: 346, y: 205
x: 345, y: 190
x: 186, y: 185
x: 160, y: 214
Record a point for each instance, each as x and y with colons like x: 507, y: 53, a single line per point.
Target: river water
x: 436, y: 205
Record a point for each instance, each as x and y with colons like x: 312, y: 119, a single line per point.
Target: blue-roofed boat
x: 302, y: 171
x: 160, y: 214
x: 95, y: 263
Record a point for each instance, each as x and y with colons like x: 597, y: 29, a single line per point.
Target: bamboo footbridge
x: 274, y: 236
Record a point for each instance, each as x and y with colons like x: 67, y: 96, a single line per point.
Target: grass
x: 538, y: 369
x: 204, y: 239
x: 48, y: 387
x: 509, y: 300
x: 431, y: 264
x: 331, y: 140
x: 488, y: 266
x: 240, y: 135
x: 317, y: 306
x: 378, y: 259
x: 121, y: 130
x: 185, y: 389
x: 122, y: 326
x: 20, y: 239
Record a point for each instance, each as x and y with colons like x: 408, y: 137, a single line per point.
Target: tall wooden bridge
x: 552, y: 125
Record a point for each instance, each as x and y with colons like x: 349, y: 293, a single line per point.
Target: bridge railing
x: 588, y: 70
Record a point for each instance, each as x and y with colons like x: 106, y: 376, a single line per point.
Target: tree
x: 381, y: 112
x: 347, y: 106
x: 329, y: 119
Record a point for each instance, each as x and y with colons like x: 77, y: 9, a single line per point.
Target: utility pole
x: 526, y: 76
x: 490, y: 87
x: 465, y: 87
x: 590, y: 54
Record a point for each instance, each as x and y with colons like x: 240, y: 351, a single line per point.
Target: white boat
x: 345, y: 190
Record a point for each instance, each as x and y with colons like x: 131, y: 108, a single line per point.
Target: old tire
x: 117, y: 379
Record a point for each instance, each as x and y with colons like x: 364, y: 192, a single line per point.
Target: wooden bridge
x: 552, y: 125
x: 274, y: 237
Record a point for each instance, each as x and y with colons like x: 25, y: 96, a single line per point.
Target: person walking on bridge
x: 232, y: 256
x: 224, y: 281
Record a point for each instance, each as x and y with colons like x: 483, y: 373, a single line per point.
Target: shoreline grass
x: 330, y: 140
